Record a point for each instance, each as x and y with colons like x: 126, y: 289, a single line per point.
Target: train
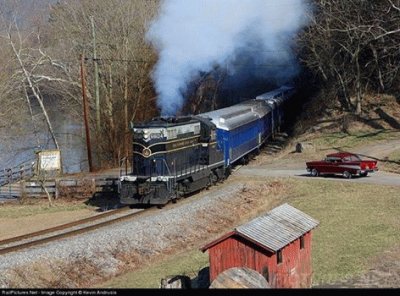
x: 175, y: 156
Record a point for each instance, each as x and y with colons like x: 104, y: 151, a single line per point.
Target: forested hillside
x: 346, y: 50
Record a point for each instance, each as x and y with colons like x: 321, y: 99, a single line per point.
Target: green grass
x: 357, y: 222
x: 17, y: 211
x: 188, y: 264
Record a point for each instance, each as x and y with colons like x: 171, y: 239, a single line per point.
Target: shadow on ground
x: 104, y: 202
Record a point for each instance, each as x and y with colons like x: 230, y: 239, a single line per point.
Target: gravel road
x: 380, y: 178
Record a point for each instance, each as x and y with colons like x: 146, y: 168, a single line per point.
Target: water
x: 71, y: 139
x: 70, y: 135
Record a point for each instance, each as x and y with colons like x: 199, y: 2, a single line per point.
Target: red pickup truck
x: 342, y: 163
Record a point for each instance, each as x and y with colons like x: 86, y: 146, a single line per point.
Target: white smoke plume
x: 195, y: 36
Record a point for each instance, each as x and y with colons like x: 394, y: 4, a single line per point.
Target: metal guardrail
x: 20, y: 172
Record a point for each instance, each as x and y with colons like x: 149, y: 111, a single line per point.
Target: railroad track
x: 25, y: 241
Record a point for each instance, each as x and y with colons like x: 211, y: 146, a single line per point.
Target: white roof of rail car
x: 257, y: 106
x: 231, y: 117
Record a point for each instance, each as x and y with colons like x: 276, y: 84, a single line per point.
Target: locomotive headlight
x: 146, y: 152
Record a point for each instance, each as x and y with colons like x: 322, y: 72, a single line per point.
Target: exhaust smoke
x: 241, y: 36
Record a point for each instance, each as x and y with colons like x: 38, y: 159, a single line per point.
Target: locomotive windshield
x: 146, y: 134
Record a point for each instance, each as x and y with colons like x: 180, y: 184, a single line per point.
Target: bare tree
x: 353, y: 45
x: 19, y: 81
x: 123, y: 59
x: 41, y: 57
x: 29, y: 81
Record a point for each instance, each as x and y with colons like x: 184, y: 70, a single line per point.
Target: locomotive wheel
x: 175, y: 197
x: 212, y: 179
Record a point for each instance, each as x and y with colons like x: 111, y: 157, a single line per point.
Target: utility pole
x: 85, y: 114
x: 126, y: 100
x: 96, y: 76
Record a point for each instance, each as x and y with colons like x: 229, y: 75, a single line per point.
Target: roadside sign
x: 49, y: 161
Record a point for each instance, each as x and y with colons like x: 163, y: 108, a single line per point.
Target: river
x: 70, y: 134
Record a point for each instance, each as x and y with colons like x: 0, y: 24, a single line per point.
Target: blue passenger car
x: 239, y: 131
x: 276, y: 99
x: 264, y: 112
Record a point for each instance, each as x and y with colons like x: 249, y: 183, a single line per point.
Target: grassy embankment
x: 357, y: 221
x: 17, y: 219
x: 14, y: 211
x: 393, y: 162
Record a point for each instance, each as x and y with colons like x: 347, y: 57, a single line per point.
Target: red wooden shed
x: 277, y: 245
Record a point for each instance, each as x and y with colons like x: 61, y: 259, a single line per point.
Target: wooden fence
x: 61, y: 188
x: 19, y: 172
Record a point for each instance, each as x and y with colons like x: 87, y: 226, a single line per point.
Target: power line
x: 117, y: 60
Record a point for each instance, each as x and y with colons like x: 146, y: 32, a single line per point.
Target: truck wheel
x: 314, y: 173
x: 346, y: 174
x: 213, y: 178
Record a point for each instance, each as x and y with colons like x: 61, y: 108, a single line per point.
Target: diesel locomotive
x: 176, y: 156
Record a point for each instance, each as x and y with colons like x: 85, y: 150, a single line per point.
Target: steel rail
x: 63, y: 226
x: 65, y: 234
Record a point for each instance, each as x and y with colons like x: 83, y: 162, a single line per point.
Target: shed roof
x: 273, y: 230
